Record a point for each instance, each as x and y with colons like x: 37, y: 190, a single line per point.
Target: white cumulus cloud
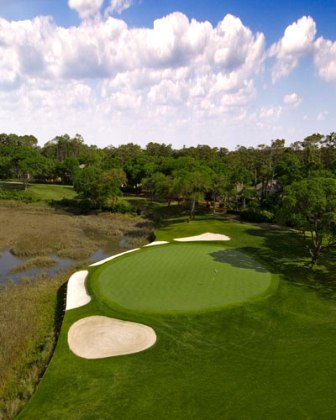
x: 292, y: 99
x: 118, y: 6
x: 86, y: 8
x: 325, y: 59
x: 297, y: 41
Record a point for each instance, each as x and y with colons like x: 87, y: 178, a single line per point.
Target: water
x: 100, y: 254
x: 8, y: 261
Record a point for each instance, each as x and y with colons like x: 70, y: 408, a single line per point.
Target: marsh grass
x: 31, y: 311
x: 29, y: 320
x: 76, y: 253
x: 38, y: 262
x: 31, y: 231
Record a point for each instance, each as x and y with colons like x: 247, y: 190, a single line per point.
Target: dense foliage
x: 253, y: 181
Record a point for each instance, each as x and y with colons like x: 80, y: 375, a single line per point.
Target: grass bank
x: 272, y: 358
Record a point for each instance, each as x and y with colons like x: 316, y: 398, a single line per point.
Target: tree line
x: 294, y: 184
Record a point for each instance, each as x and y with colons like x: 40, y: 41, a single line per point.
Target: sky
x: 225, y: 73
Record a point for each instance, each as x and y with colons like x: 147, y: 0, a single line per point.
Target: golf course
x: 226, y: 331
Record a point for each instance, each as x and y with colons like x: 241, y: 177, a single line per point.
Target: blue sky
x: 223, y: 73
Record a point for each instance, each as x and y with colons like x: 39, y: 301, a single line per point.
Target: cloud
x: 181, y: 72
x: 325, y: 59
x: 292, y: 99
x: 267, y: 112
x: 297, y: 41
x: 185, y: 60
x: 322, y: 116
x: 118, y: 6
x: 86, y: 8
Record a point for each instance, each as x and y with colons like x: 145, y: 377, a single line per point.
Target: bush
x: 16, y: 195
x: 257, y: 215
x: 120, y: 206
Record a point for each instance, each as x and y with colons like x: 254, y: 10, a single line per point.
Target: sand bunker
x: 76, y: 293
x: 113, y: 257
x: 157, y: 243
x: 204, y: 237
x: 97, y: 337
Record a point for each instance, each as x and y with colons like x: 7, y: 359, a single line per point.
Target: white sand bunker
x: 204, y: 237
x: 113, y: 257
x: 97, y: 337
x: 76, y: 293
x: 157, y: 243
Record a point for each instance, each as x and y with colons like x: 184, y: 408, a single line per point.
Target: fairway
x: 176, y: 277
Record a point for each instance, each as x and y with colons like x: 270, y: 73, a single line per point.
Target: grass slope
x: 273, y: 358
x: 180, y: 277
x: 48, y: 192
x: 35, y: 192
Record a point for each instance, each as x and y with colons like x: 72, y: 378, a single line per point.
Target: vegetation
x: 311, y: 206
x: 278, y: 350
x: 219, y: 361
x: 30, y: 316
x: 31, y: 311
x: 250, y: 181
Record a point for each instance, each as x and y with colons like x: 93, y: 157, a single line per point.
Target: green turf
x: 271, y: 358
x: 48, y: 192
x: 181, y: 277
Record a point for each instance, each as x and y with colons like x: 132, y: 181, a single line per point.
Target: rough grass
x: 271, y: 359
x: 27, y: 337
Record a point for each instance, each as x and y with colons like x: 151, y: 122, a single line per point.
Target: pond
x: 8, y: 262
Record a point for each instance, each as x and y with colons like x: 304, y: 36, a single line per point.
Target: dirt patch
x: 97, y: 337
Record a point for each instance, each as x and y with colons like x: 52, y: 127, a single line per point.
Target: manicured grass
x: 38, y: 192
x: 181, y: 277
x: 47, y: 192
x: 272, y: 358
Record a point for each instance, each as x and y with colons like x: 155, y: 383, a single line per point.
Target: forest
x: 293, y: 185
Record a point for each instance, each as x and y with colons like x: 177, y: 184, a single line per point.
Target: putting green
x: 176, y: 277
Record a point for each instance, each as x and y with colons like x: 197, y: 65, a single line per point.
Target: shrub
x: 119, y: 206
x: 257, y: 215
x: 17, y: 195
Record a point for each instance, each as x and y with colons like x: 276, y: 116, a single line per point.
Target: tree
x: 99, y: 186
x: 86, y: 182
x: 310, y: 205
x: 159, y: 185
x: 197, y: 183
x: 109, y: 185
x: 63, y: 147
x: 28, y: 162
